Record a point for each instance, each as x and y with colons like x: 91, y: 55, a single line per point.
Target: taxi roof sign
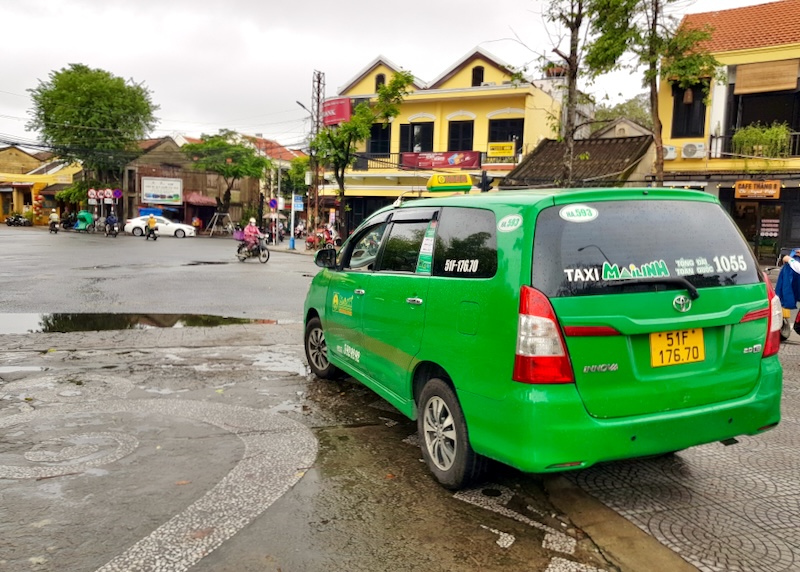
x: 459, y: 182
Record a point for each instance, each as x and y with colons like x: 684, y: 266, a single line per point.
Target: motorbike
x: 84, y: 222
x: 112, y: 229
x: 68, y: 221
x: 151, y: 233
x: 243, y: 252
x: 17, y: 220
x: 53, y: 227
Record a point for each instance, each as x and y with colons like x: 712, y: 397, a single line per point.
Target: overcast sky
x: 242, y: 64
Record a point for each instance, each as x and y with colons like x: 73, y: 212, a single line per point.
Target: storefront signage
x: 500, y: 150
x: 758, y: 189
x: 452, y: 159
x: 162, y: 191
x: 450, y: 183
x: 336, y: 111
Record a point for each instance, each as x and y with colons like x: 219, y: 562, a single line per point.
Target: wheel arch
x: 424, y: 371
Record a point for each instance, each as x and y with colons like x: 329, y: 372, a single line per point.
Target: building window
x: 688, y: 112
x: 503, y: 130
x: 380, y: 138
x: 477, y: 76
x: 416, y: 138
x: 459, y: 135
x: 380, y: 80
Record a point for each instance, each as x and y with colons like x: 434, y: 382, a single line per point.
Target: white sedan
x: 166, y: 227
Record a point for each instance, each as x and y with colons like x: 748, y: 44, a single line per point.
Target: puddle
x: 48, y: 323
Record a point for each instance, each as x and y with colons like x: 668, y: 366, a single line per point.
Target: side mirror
x: 326, y: 258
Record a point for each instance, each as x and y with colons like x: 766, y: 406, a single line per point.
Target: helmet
x: 52, y: 210
x: 151, y: 216
x: 252, y: 220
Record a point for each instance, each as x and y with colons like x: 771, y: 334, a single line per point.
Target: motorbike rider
x: 151, y: 226
x: 111, y: 220
x: 53, y: 218
x: 251, y: 234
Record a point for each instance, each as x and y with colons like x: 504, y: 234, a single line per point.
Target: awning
x: 767, y: 76
x: 51, y: 190
x: 199, y: 200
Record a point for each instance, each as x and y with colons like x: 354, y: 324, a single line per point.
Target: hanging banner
x: 161, y: 191
x: 758, y: 189
x: 452, y: 160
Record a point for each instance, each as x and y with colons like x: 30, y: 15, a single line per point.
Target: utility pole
x: 317, y: 95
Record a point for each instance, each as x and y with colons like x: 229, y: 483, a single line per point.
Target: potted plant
x: 758, y: 140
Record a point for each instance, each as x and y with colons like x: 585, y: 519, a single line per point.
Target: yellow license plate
x: 677, y: 347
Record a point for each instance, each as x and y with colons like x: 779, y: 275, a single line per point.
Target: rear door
x: 651, y: 294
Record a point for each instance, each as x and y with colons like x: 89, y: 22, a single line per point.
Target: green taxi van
x: 552, y: 329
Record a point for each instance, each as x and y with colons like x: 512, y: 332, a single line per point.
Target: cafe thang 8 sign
x: 162, y: 191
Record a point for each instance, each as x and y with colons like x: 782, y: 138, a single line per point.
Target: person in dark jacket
x: 787, y: 286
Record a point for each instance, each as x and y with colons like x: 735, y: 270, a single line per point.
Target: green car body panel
x: 621, y: 403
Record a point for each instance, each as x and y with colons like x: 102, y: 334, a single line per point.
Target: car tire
x: 444, y: 438
x: 180, y: 233
x: 137, y: 231
x: 317, y: 351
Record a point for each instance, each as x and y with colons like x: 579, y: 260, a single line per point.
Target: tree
x: 665, y: 51
x: 336, y: 145
x: 229, y: 156
x: 89, y: 115
x: 636, y: 109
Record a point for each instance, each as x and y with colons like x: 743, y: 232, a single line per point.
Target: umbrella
x: 274, y: 216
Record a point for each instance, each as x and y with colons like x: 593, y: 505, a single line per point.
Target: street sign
x: 117, y: 194
x: 298, y: 203
x: 92, y: 194
x: 273, y: 203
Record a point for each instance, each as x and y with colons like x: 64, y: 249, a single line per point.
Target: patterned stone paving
x: 723, y: 509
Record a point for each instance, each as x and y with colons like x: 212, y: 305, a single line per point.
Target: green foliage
x: 294, y: 179
x: 229, y: 156
x: 686, y: 63
x: 91, y: 116
x: 636, y: 109
x: 762, y: 140
x: 28, y: 215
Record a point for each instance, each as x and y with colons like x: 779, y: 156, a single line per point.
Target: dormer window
x: 477, y: 76
x: 380, y: 80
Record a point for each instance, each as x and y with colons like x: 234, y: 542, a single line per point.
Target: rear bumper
x: 542, y: 429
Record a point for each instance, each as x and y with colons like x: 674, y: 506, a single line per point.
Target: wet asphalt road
x: 212, y: 448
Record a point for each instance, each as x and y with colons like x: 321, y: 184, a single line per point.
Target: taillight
x: 541, y: 352
x: 773, y: 343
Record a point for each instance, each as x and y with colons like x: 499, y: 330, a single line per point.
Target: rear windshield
x: 638, y: 246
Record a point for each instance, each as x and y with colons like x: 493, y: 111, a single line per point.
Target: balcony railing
x: 722, y: 148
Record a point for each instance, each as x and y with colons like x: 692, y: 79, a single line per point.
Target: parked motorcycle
x: 68, y: 221
x: 17, y: 219
x: 243, y: 252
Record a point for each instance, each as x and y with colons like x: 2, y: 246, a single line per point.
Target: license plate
x: 677, y: 347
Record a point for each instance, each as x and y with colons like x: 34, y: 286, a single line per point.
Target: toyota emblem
x: 682, y: 303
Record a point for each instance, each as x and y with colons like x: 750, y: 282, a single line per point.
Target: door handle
x: 359, y: 291
x: 414, y: 301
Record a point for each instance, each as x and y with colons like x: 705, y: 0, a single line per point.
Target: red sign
x: 335, y: 111
x: 451, y: 160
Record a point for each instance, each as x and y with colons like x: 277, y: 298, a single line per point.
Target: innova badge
x: 682, y: 303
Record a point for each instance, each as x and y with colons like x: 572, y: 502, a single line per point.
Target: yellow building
x: 474, y: 118
x: 707, y: 143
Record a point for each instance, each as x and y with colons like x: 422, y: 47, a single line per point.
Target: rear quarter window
x: 466, y: 243
x: 625, y: 241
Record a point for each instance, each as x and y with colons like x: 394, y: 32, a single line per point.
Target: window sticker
x: 578, y: 213
x: 461, y: 266
x: 342, y: 304
x: 654, y: 269
x: 509, y: 223
x: 425, y: 259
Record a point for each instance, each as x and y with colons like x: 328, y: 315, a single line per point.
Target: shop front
x: 767, y: 212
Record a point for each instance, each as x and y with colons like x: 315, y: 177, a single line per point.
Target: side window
x: 466, y: 244
x: 365, y: 250
x: 402, y: 247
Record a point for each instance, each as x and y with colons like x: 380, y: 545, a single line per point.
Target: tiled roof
x: 606, y: 162
x: 763, y: 25
x: 147, y: 144
x: 275, y: 150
